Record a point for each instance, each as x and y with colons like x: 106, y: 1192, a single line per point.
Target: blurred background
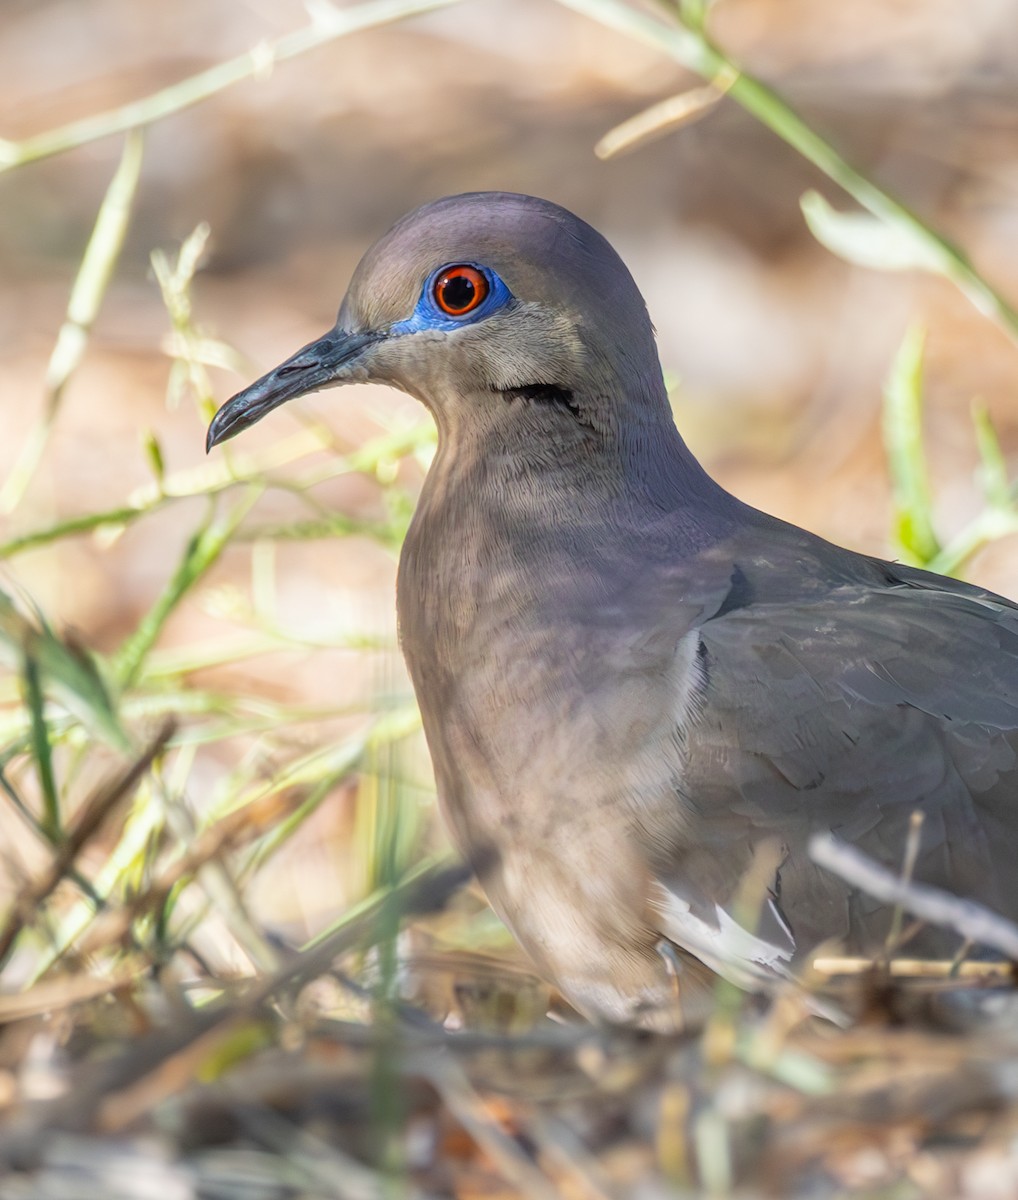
x: 778, y: 350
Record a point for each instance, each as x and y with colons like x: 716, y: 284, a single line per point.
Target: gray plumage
x: 628, y: 678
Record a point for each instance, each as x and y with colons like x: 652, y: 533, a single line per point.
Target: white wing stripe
x: 726, y: 947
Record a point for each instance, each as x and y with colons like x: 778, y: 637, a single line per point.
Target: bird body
x: 629, y: 680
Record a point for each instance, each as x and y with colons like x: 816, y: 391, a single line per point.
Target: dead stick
x: 971, y: 920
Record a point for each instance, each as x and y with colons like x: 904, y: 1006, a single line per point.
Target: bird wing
x: 847, y: 709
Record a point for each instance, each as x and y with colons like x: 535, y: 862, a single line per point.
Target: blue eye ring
x: 429, y: 312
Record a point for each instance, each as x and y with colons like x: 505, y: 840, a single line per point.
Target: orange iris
x: 460, y: 290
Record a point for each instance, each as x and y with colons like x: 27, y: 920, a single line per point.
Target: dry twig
x: 970, y: 920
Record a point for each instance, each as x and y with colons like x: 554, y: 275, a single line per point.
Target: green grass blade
x: 90, y: 286
x: 42, y: 751
x: 204, y: 547
x: 880, y: 244
x: 906, y: 456
x: 65, y: 668
x: 997, y: 488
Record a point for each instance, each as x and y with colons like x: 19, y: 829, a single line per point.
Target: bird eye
x: 459, y: 290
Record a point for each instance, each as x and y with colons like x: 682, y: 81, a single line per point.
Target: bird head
x: 495, y: 310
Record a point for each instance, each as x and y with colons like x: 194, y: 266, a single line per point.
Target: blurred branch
x: 426, y: 888
x: 326, y: 25
x: 971, y: 921
x: 662, y: 118
x: 688, y: 43
x: 206, y: 480
x: 377, y: 458
x: 89, y: 288
x: 985, y: 974
x: 515, y: 1165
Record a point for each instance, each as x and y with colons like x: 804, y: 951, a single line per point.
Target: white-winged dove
x: 628, y: 678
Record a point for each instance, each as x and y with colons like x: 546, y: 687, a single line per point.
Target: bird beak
x: 330, y: 360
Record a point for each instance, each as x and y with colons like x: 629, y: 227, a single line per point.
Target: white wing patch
x: 745, y: 959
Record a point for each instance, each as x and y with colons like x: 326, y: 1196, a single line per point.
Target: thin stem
x: 90, y: 286
x: 327, y: 24
x: 690, y: 46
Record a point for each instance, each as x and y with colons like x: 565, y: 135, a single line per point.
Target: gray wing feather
x: 848, y: 711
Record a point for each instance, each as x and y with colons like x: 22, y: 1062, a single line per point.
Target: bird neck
x: 659, y: 473
x: 535, y: 479
x: 611, y: 440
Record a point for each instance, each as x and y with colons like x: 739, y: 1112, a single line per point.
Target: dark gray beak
x: 326, y: 361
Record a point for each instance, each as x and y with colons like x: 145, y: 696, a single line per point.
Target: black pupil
x: 458, y: 292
